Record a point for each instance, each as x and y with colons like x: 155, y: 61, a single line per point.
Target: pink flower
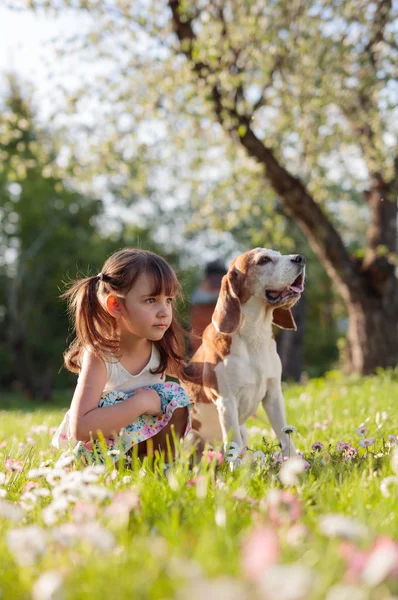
x: 317, y: 446
x: 29, y: 485
x: 3, y: 444
x: 210, y: 455
x: 342, y: 446
x: 11, y: 464
x: 283, y: 507
x: 371, y: 566
x: 355, y: 558
x: 260, y: 551
x: 350, y: 453
x: 194, y: 482
x: 88, y: 446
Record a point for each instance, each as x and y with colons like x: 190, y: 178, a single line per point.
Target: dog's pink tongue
x: 297, y: 288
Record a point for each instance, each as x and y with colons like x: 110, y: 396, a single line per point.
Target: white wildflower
x: 2, y: 478
x: 259, y: 457
x: 64, y: 461
x: 289, y: 429
x: 96, y: 493
x: 49, y: 586
x: 386, y: 483
x: 290, y: 469
x: 99, y: 537
x: 55, y: 476
x: 201, y: 487
x: 232, y: 451
x: 394, y: 461
x: 287, y: 582
x: 40, y: 472
x: 336, y: 525
x: 10, y: 511
x: 220, y: 516
x: 54, y: 511
x: 381, y: 563
x: 91, y: 533
x: 27, y: 544
x: 346, y: 592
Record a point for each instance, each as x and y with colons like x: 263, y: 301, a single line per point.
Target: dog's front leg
x: 229, y: 421
x: 274, y: 406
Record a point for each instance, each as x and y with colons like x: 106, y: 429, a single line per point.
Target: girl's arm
x: 87, y: 419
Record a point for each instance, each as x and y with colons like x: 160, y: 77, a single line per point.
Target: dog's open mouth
x: 294, y: 289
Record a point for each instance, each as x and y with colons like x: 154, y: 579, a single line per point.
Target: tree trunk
x: 290, y: 344
x: 372, y: 339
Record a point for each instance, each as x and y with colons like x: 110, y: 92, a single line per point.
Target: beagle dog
x: 237, y: 366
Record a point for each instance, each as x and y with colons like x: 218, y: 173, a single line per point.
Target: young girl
x: 127, y: 338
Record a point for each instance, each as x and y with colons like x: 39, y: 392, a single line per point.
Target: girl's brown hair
x: 96, y: 329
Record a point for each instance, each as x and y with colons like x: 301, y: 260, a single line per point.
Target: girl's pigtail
x: 94, y: 327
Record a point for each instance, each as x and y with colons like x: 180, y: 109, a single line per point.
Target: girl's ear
x: 113, y: 306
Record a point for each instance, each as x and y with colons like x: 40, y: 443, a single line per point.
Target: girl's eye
x: 150, y: 300
x: 170, y: 300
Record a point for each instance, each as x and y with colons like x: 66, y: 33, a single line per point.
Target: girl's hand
x: 149, y: 401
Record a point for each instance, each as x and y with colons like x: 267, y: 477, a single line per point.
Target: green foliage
x: 49, y: 234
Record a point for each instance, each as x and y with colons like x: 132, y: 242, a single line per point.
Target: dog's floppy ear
x: 226, y: 316
x: 283, y: 318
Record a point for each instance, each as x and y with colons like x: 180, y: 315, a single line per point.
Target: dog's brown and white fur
x: 237, y: 366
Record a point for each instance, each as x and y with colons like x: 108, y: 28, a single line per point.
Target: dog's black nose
x: 299, y: 258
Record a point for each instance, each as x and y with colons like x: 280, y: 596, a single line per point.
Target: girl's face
x: 143, y: 314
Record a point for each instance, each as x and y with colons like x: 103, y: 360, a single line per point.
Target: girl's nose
x: 164, y: 309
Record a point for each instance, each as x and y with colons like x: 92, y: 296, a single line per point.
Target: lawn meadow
x: 322, y: 527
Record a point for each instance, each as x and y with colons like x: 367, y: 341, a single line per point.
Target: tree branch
x: 324, y: 238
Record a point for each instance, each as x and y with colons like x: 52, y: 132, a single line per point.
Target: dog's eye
x: 264, y: 260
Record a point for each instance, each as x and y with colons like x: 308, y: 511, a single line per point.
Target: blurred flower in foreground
x: 335, y: 525
x: 49, y: 586
x: 373, y: 566
x: 386, y: 483
x: 346, y: 592
x: 290, y: 469
x: 10, y: 511
x: 393, y: 439
x: 287, y: 582
x: 27, y: 544
x: 211, y: 455
x: 283, y: 507
x: 11, y: 464
x: 260, y: 550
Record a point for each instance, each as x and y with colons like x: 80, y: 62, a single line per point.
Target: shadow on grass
x: 10, y: 401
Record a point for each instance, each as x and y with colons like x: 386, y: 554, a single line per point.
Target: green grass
x: 188, y: 541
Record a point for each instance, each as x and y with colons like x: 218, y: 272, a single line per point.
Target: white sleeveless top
x: 119, y: 379
x: 122, y: 381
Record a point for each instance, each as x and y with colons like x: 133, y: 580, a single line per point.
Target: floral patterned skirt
x: 172, y: 396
